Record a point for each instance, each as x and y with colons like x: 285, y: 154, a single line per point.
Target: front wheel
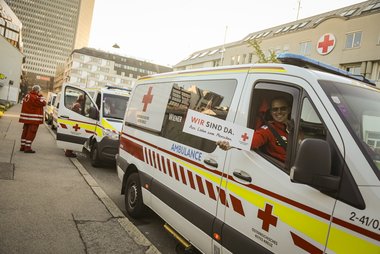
x: 94, y: 155
x: 133, y: 197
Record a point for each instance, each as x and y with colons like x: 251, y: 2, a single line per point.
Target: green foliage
x: 257, y: 51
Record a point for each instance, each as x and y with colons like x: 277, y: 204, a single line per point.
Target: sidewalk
x: 50, y: 204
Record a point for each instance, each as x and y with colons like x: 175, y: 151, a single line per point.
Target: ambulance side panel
x: 181, y: 174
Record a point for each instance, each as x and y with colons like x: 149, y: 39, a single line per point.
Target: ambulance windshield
x: 114, y: 106
x: 359, y: 105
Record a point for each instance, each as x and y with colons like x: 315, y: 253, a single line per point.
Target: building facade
x: 51, y: 30
x: 87, y: 68
x: 347, y: 38
x: 11, y: 57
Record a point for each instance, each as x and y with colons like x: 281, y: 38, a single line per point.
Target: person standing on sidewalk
x: 31, y: 116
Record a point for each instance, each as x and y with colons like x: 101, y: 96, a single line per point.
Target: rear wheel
x: 133, y: 197
x: 94, y: 155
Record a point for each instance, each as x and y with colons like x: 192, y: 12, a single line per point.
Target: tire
x: 133, y: 197
x: 94, y: 155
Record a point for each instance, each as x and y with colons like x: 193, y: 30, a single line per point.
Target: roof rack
x: 303, y: 61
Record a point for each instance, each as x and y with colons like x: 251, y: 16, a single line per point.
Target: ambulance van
x: 325, y: 197
x: 48, y: 110
x: 94, y: 124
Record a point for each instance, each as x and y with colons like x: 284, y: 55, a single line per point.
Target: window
x: 212, y: 97
x: 353, y: 40
x: 305, y: 48
x: 356, y: 70
x: 77, y: 101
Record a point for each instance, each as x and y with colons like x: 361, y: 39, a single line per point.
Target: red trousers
x: 28, y: 134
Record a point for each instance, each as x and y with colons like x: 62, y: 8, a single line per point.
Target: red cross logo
x: 244, y: 136
x: 76, y: 127
x: 326, y: 44
x: 147, y: 99
x: 267, y: 217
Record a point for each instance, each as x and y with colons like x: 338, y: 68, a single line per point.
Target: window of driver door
x: 211, y: 97
x: 77, y: 101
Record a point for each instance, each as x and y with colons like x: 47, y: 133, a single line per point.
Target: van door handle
x: 242, y: 175
x: 211, y: 162
x: 65, y: 117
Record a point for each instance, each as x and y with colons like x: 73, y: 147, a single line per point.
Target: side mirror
x: 313, y: 166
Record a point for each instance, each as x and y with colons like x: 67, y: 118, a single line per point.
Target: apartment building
x: 88, y: 67
x: 347, y: 38
x: 51, y: 30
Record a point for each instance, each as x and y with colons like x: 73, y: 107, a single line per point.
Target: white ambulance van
x: 325, y: 197
x: 97, y: 123
x: 48, y: 110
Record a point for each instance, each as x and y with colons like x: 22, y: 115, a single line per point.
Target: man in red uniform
x: 31, y: 116
x: 265, y: 136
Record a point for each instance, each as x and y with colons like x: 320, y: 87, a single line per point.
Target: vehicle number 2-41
x: 365, y: 220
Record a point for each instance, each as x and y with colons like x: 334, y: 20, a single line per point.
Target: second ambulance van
x: 325, y: 197
x: 93, y: 125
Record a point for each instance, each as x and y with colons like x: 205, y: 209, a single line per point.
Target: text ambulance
x: 323, y: 199
x: 91, y: 119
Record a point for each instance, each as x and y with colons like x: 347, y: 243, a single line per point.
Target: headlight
x: 110, y: 134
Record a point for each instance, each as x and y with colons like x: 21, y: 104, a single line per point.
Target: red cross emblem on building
x: 244, y: 136
x: 326, y: 44
x: 76, y: 127
x: 147, y: 99
x: 267, y: 217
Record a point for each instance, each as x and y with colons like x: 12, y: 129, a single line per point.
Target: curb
x: 124, y: 222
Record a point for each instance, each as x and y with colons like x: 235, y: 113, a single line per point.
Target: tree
x: 271, y: 58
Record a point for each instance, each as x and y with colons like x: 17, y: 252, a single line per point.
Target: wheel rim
x: 132, y: 195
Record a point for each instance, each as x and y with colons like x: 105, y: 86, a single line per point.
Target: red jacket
x: 32, y: 110
x: 264, y: 137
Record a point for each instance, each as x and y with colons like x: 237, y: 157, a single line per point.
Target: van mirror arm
x: 313, y: 166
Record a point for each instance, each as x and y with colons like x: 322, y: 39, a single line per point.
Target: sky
x: 167, y: 31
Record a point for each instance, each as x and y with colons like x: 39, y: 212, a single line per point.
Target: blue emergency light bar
x: 303, y: 61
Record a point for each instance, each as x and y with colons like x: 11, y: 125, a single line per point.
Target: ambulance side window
x: 77, y: 101
x: 211, y: 97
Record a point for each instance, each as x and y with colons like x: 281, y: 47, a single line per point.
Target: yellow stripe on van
x: 196, y: 73
x: 209, y: 176
x: 268, y: 69
x: 312, y: 227
x: 85, y: 126
x: 341, y: 241
x: 107, y: 125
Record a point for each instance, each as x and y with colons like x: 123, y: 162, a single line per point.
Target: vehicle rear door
x: 76, y: 120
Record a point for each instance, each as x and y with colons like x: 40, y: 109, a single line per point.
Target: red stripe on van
x: 150, y: 157
x: 200, y: 184
x: 210, y: 189
x: 158, y: 162
x: 175, y: 171
x: 183, y: 175
x: 191, y: 179
x: 169, y: 167
x: 305, y: 245
x: 146, y: 155
x: 222, y: 197
x: 163, y: 164
x: 154, y: 159
x: 237, y: 205
x: 132, y: 148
